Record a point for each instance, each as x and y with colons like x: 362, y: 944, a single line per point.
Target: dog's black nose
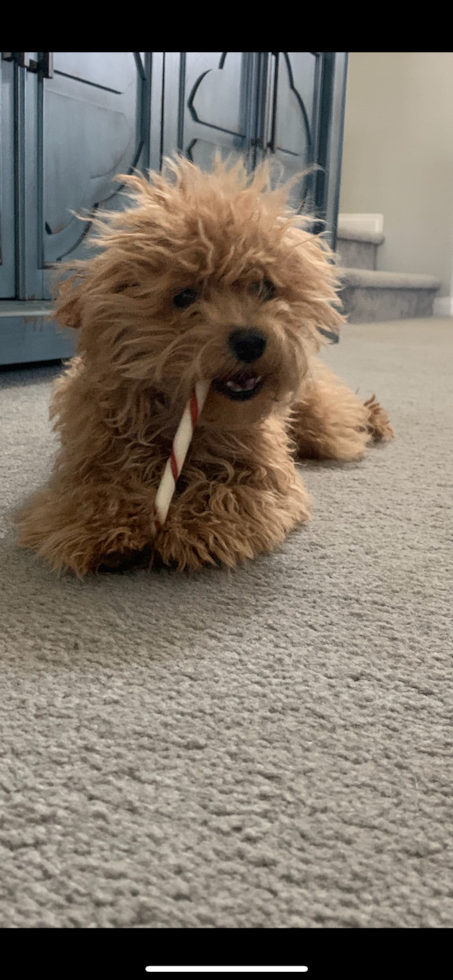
x: 247, y: 344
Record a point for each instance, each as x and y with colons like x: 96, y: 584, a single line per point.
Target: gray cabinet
x: 70, y: 122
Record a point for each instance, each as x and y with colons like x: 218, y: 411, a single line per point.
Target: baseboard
x: 362, y: 222
x: 443, y: 306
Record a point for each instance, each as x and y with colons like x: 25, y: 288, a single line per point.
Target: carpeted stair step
x: 370, y: 297
x: 358, y: 249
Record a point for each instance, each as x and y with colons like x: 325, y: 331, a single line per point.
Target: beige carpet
x: 268, y: 748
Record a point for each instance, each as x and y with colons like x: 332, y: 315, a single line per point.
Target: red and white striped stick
x: 181, y: 443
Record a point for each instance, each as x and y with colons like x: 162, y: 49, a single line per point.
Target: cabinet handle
x: 272, y: 103
x: 44, y: 65
x: 23, y: 60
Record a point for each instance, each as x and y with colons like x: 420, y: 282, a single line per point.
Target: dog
x: 205, y: 276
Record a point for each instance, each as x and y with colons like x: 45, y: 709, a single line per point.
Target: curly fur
x: 118, y: 405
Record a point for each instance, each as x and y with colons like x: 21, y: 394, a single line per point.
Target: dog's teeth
x: 247, y: 386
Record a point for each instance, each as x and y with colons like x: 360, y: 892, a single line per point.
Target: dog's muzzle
x: 247, y: 344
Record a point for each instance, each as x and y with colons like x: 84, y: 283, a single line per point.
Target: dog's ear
x: 67, y: 295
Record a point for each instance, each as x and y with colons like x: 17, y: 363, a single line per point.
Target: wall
x: 398, y: 156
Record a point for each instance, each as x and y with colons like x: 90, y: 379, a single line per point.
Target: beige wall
x: 398, y: 156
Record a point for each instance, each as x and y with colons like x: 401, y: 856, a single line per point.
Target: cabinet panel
x: 7, y: 215
x: 207, y: 104
x: 294, y: 132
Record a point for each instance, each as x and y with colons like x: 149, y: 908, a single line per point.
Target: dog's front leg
x: 86, y: 528
x: 229, y: 523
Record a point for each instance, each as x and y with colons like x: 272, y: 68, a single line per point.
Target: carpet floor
x: 267, y: 748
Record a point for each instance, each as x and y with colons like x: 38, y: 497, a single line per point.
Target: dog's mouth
x: 239, y: 387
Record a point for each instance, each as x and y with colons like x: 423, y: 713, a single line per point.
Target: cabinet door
x: 78, y: 126
x: 92, y: 130
x: 293, y: 125
x: 69, y: 125
x: 306, y: 127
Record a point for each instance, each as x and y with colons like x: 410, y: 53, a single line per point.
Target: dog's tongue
x: 246, y: 385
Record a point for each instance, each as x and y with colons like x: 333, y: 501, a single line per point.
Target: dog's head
x: 205, y: 276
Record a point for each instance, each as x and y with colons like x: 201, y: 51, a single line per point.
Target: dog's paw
x: 194, y: 548
x: 378, y: 422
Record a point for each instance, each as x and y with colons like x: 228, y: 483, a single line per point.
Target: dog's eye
x: 185, y: 298
x: 264, y: 289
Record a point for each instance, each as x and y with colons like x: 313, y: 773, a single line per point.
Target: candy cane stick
x: 181, y: 443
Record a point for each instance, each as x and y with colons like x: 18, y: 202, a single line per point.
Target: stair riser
x: 356, y: 255
x: 377, y: 305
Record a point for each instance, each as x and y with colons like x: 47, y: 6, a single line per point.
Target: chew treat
x: 181, y: 443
